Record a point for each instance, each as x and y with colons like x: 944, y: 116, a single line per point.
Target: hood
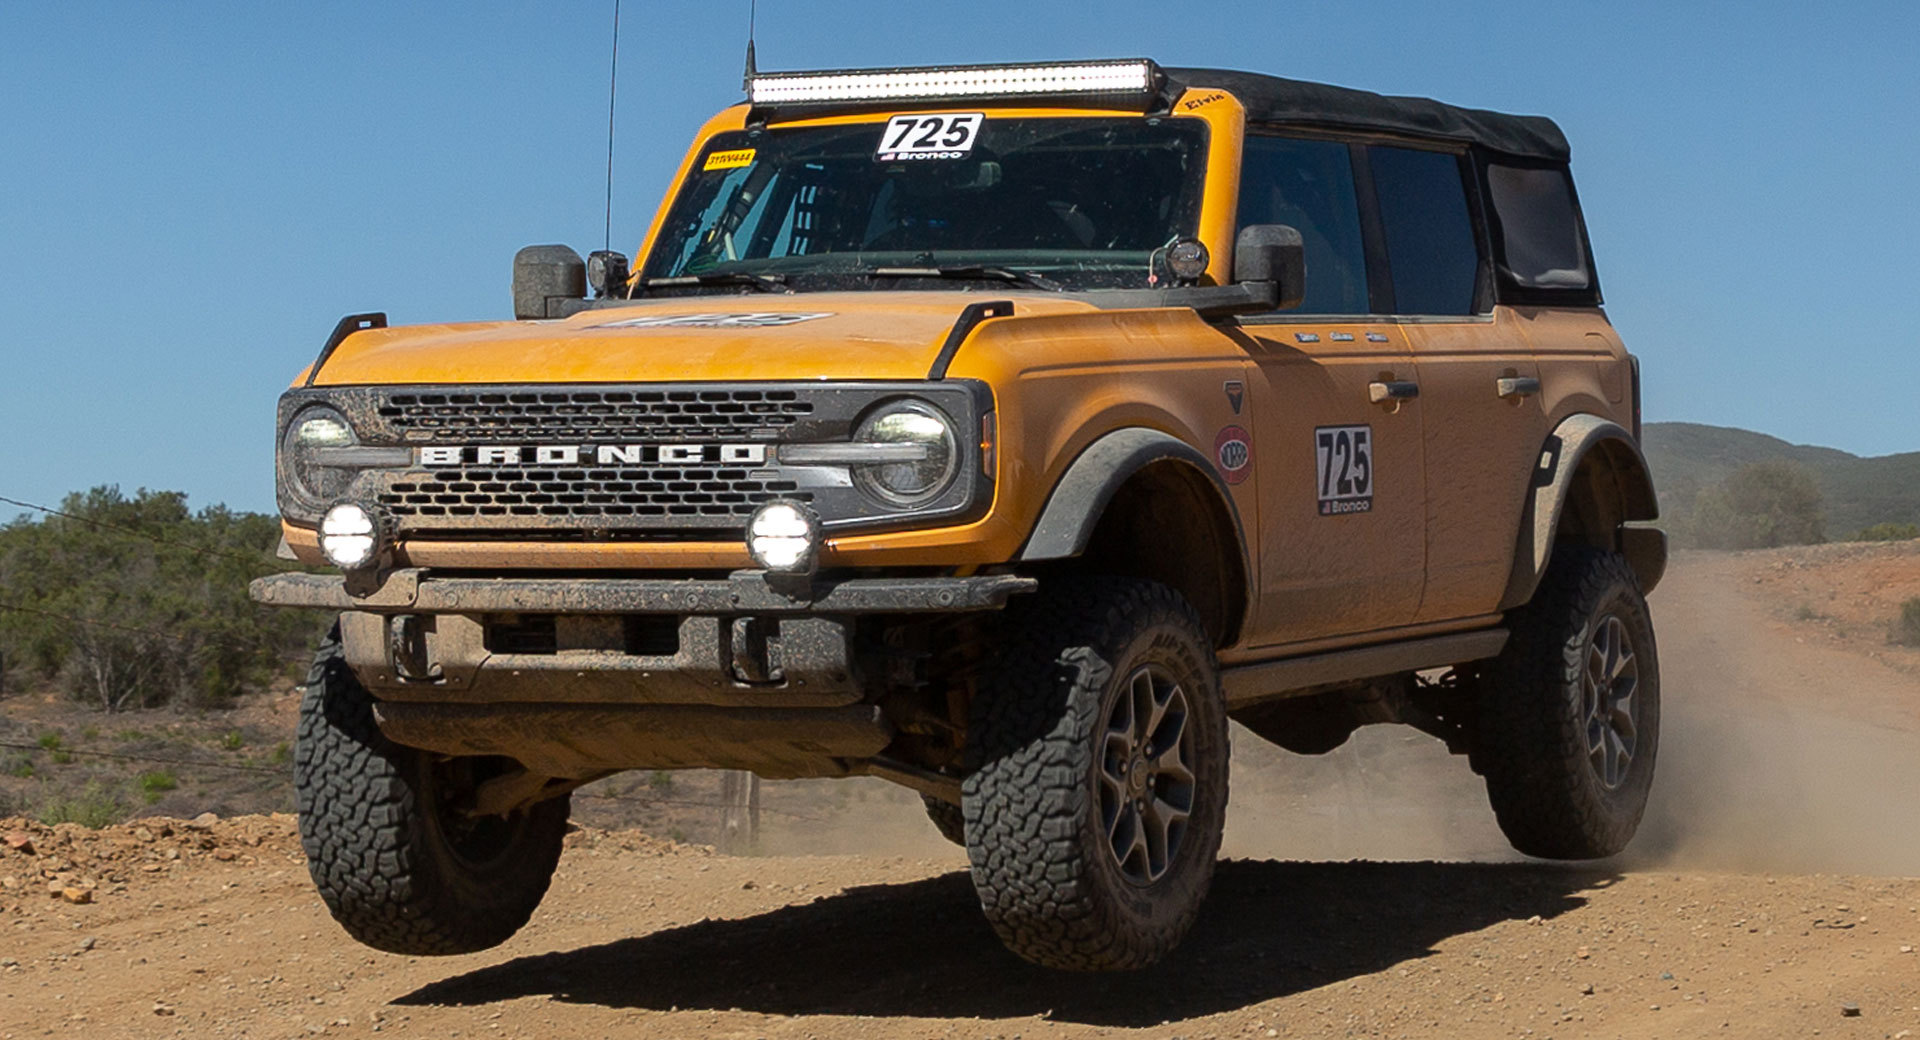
x: 855, y: 335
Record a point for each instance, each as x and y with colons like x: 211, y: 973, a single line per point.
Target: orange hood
x: 854, y: 335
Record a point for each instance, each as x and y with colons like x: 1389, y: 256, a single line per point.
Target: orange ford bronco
x: 1002, y: 432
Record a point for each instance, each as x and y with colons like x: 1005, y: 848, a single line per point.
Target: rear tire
x: 398, y: 866
x: 1098, y: 786
x: 1568, y: 716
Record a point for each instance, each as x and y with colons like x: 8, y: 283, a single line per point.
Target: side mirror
x: 1272, y: 254
x: 607, y: 272
x: 543, y: 277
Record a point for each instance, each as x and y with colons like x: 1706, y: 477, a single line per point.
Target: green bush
x: 1906, y: 628
x: 62, y: 757
x: 231, y: 740
x: 21, y: 766
x: 282, y: 754
x: 50, y: 741
x: 92, y: 808
x: 1887, y: 533
x: 135, y: 601
x: 1760, y: 506
x: 155, y: 785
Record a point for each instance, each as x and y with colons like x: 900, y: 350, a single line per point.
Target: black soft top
x: 1292, y: 102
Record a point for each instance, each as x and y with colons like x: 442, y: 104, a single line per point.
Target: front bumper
x: 414, y: 591
x: 725, y: 672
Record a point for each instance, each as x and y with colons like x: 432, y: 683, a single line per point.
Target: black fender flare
x: 1577, y: 437
x: 1088, y: 486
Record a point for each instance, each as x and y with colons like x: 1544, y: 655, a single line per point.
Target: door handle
x: 1392, y: 391
x: 1513, y: 389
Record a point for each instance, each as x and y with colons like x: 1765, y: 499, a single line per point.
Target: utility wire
x: 155, y: 539
x: 169, y: 636
x: 145, y: 758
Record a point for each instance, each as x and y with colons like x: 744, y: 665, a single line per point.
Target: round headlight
x: 309, y: 432
x: 915, y: 481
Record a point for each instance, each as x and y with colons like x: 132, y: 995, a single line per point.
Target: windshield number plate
x: 948, y: 135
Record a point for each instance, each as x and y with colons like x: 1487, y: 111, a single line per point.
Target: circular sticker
x: 1233, y: 450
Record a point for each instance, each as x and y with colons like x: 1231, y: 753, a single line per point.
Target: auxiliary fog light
x: 349, y: 536
x: 784, y: 536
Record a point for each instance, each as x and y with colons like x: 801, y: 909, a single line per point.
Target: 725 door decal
x: 1343, y: 458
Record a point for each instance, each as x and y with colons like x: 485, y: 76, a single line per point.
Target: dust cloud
x: 1775, y: 756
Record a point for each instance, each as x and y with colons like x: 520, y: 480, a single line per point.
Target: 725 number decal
x: 947, y: 135
x: 1344, y: 462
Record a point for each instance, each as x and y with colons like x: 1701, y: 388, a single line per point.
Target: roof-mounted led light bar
x: 1114, y: 80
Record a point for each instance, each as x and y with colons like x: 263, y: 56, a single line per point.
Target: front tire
x: 1568, y: 716
x: 1098, y: 787
x: 398, y: 865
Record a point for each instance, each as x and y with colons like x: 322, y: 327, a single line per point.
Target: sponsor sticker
x: 1233, y: 451
x: 1236, y: 393
x: 745, y: 320
x: 731, y: 160
x: 1343, y: 458
x: 948, y: 135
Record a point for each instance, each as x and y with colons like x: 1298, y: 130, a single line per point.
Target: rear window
x: 1540, y: 243
x: 1431, y: 247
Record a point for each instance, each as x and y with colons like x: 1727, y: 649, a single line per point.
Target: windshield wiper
x: 1001, y: 274
x: 764, y: 282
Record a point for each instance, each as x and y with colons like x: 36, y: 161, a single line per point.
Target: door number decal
x: 1344, y: 462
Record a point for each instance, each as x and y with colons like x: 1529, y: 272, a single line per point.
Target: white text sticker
x: 1344, y: 457
x: 939, y: 135
x: 748, y: 320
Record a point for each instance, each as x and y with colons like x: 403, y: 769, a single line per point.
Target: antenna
x: 613, y: 80
x: 746, y: 81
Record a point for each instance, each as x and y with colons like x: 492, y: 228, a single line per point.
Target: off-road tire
x: 947, y: 819
x: 374, y: 824
x: 1047, y: 878
x: 1531, y: 738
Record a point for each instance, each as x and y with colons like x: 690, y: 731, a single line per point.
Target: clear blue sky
x: 192, y: 194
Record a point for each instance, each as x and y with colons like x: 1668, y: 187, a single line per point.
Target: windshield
x: 1066, y: 202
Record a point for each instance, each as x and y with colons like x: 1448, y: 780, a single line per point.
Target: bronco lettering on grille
x: 592, y: 454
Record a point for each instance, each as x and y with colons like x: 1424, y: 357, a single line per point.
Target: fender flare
x: 1083, y: 493
x: 1577, y: 437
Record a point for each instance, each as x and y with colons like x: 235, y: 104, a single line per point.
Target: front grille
x: 591, y: 415
x: 652, y: 496
x: 641, y: 461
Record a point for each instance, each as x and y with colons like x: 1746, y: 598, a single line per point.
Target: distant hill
x: 1860, y: 492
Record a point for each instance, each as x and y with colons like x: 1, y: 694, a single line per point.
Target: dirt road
x: 1773, y: 893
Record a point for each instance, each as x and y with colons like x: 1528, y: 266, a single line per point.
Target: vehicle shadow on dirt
x: 922, y: 949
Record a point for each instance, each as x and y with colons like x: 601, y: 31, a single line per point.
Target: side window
x: 1309, y: 185
x: 1538, y: 230
x: 1430, y: 242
